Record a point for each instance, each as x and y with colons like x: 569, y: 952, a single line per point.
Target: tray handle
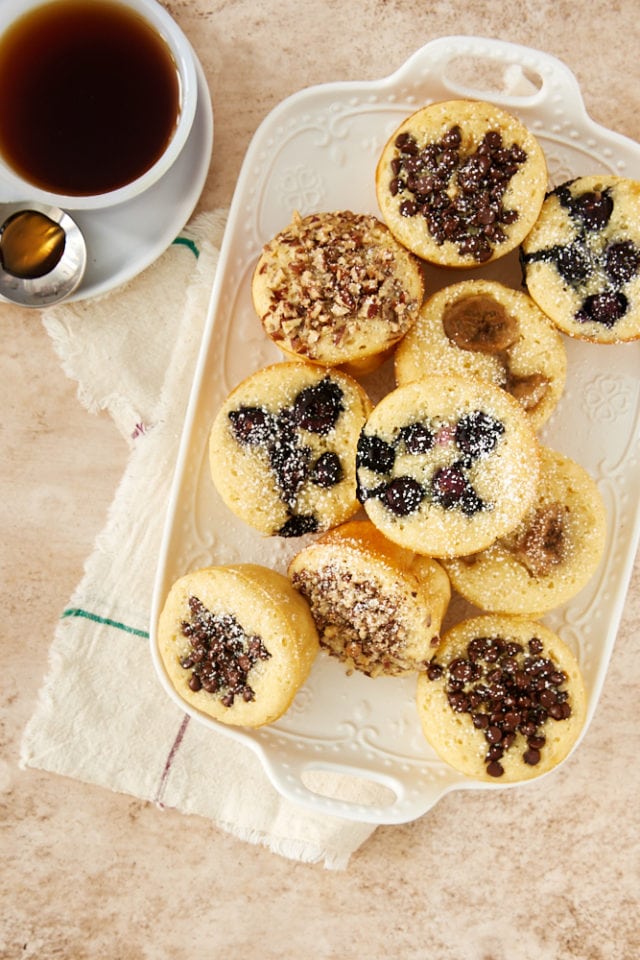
x: 351, y: 791
x: 531, y: 79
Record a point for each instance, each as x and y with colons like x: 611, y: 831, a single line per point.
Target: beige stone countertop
x: 540, y: 873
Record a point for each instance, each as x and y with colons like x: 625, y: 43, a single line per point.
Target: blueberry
x: 299, y: 525
x: 318, y: 407
x: 572, y: 263
x: 417, y: 438
x: 252, y: 425
x: 290, y: 463
x: 403, y: 496
x: 605, y: 308
x: 621, y: 261
x: 375, y: 454
x: 593, y: 208
x: 327, y: 470
x: 451, y: 488
x: 477, y: 434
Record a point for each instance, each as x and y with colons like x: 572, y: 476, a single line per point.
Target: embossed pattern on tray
x: 318, y: 150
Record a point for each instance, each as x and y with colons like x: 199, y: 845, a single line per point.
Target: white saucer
x: 123, y: 240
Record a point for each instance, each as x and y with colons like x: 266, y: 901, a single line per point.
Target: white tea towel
x: 102, y: 716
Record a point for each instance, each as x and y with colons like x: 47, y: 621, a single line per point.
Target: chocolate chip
x: 459, y: 195
x: 505, y: 702
x: 221, y: 655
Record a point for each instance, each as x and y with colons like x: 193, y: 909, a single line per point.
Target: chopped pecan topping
x: 356, y: 622
x: 337, y: 273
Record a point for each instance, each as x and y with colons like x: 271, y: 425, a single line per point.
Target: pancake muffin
x: 483, y: 329
x: 282, y: 448
x: 377, y: 607
x: 336, y: 288
x: 461, y: 182
x: 445, y: 464
x: 581, y: 260
x: 551, y: 554
x: 502, y: 699
x: 237, y: 642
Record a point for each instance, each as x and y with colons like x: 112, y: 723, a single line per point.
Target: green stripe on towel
x: 78, y: 612
x: 186, y: 242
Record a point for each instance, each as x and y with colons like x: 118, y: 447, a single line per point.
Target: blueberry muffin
x: 483, y: 329
x: 503, y: 699
x: 551, y: 554
x: 447, y: 464
x: 336, y: 288
x: 581, y: 261
x: 282, y: 448
x: 377, y: 607
x: 461, y: 182
x: 237, y: 642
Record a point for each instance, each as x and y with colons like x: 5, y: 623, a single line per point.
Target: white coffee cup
x: 15, y: 187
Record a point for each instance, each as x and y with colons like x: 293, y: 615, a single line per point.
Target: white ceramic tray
x: 317, y: 151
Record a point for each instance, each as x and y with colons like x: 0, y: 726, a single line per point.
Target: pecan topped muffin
x: 336, y: 288
x: 461, y: 182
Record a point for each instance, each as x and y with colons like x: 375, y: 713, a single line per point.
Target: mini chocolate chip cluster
x: 590, y: 255
x: 459, y: 195
x: 473, y: 437
x: 315, y: 409
x: 506, y: 689
x: 221, y: 654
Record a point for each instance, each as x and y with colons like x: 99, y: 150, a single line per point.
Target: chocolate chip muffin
x: 378, y: 608
x: 461, y: 182
x: 503, y: 699
x: 237, y: 642
x: 581, y: 261
x: 551, y: 554
x: 282, y: 448
x: 483, y: 329
x: 336, y: 288
x: 445, y: 464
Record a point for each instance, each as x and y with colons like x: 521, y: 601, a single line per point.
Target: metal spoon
x: 42, y: 254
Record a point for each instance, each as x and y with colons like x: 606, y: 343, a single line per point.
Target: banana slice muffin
x: 377, y: 607
x: 445, y: 464
x: 282, y: 448
x: 581, y: 261
x: 483, y: 329
x: 550, y: 555
x: 461, y: 182
x: 237, y: 642
x: 336, y: 288
x: 502, y: 699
